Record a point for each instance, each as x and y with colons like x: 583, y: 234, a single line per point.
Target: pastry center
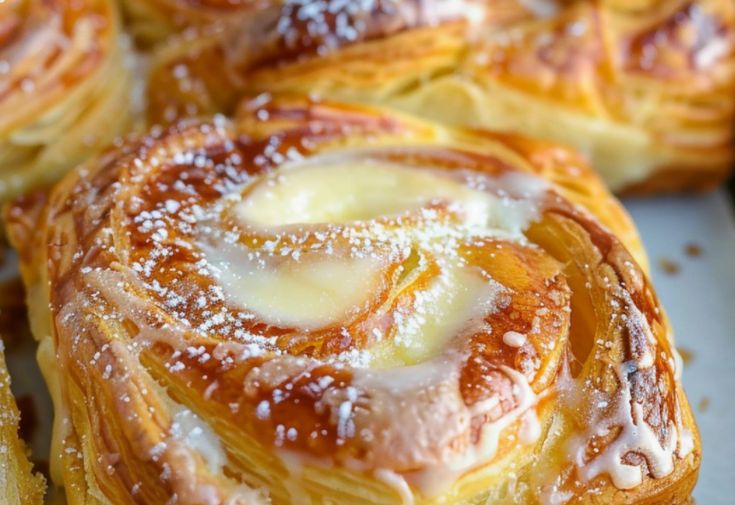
x: 369, y: 247
x: 311, y: 292
x: 309, y: 193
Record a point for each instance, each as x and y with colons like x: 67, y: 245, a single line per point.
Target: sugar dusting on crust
x: 328, y: 24
x: 294, y: 28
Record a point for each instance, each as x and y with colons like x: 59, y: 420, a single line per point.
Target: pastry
x: 64, y: 88
x: 645, y: 90
x: 325, y: 303
x: 18, y: 484
x: 152, y: 21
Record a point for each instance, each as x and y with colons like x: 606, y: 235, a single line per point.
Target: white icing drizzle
x: 435, y: 479
x: 711, y: 52
x: 438, y: 378
x: 187, y: 427
x: 514, y: 339
x: 678, y: 361
x: 686, y: 443
x: 525, y: 398
x: 552, y: 495
x: 635, y: 436
x: 530, y: 428
x: 398, y: 483
x: 639, y: 329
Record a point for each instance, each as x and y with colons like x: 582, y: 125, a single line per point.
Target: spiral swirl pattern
x: 322, y: 302
x: 64, y: 88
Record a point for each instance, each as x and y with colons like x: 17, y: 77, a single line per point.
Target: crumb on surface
x: 669, y: 266
x: 687, y: 356
x: 693, y: 250
x: 703, y: 404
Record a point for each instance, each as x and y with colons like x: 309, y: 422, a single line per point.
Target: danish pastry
x: 645, y: 90
x: 64, y: 88
x: 325, y: 303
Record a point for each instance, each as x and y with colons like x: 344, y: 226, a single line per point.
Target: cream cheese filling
x: 320, y: 286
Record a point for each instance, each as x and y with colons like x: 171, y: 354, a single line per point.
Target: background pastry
x: 339, y: 304
x: 152, y: 21
x: 64, y: 88
x: 643, y: 89
x: 18, y: 484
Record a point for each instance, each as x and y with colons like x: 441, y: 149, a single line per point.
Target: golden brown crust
x: 168, y: 384
x: 64, y: 88
x: 643, y: 89
x: 19, y: 485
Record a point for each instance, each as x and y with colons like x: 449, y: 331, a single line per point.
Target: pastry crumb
x: 687, y: 356
x: 703, y: 404
x: 669, y: 266
x: 693, y: 250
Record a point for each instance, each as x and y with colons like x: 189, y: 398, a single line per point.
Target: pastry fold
x: 64, y: 88
x: 19, y: 485
x: 328, y: 303
x: 644, y: 90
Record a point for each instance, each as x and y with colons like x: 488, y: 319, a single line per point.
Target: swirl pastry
x: 18, y: 484
x: 321, y: 303
x: 645, y: 90
x: 64, y: 88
